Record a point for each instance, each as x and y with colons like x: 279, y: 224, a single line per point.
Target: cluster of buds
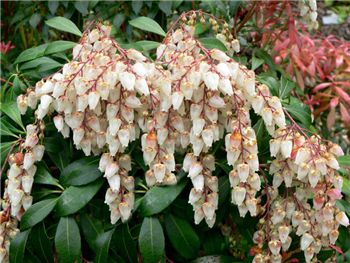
x: 20, y: 175
x: 308, y: 11
x: 119, y: 196
x: 18, y: 185
x: 204, y: 194
x: 307, y: 167
x: 185, y: 101
x: 98, y: 96
x: 8, y: 230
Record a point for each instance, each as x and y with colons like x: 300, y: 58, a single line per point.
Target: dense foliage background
x: 69, y: 216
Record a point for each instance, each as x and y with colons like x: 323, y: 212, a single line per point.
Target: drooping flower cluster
x: 21, y: 173
x: 119, y: 195
x: 18, y: 185
x: 307, y: 169
x: 204, y: 195
x: 184, y: 102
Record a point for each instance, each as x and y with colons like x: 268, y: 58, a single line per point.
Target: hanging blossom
x: 18, y: 185
x: 185, y: 101
x: 307, y: 169
x: 202, y: 84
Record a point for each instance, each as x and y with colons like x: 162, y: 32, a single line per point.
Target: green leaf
x: 5, y: 148
x: 102, y: 243
x: 262, y: 136
x: 37, y: 212
x: 147, y: 24
x: 7, y: 129
x: 165, y: 6
x: 151, y: 240
x: 64, y: 24
x: 80, y: 172
x: 42, y: 64
x: 11, y: 110
x: 67, y: 240
x: 211, y: 42
x: 267, y: 58
x: 124, y: 244
x: 43, y: 176
x: 31, y: 53
x: 214, y: 243
x: 344, y: 160
x: 344, y: 206
x: 91, y: 228
x: 269, y: 81
x: 147, y: 45
x: 74, y: 198
x: 158, y: 198
x: 17, y: 247
x: 41, y: 244
x: 286, y: 86
x: 346, y: 186
x: 182, y: 236
x: 59, y: 46
x: 256, y: 62
x: 299, y: 111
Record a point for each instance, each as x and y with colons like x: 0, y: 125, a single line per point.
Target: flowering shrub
x: 154, y: 122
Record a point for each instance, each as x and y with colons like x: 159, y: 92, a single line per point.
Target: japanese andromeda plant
x: 182, y: 103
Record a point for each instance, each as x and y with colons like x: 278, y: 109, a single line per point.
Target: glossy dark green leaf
x: 346, y: 186
x: 151, y: 240
x: 262, y: 136
x: 63, y: 24
x: 270, y: 81
x: 224, y: 189
x: 214, y: 243
x: 344, y: 206
x: 267, y: 58
x: 67, y: 240
x: 299, y: 111
x: 182, y: 236
x: 5, y: 148
x: 286, y: 86
x: 124, y: 244
x: 31, y: 53
x: 37, y: 212
x: 147, y: 45
x: 103, y: 242
x: 41, y: 244
x: 166, y: 7
x: 211, y: 42
x: 43, y: 176
x: 11, y: 110
x: 42, y: 64
x: 147, y: 24
x: 74, y: 198
x: 82, y: 7
x: 17, y: 247
x: 91, y: 228
x: 80, y: 172
x: 7, y: 129
x: 59, y: 46
x: 158, y: 198
x: 256, y: 62
x: 344, y: 160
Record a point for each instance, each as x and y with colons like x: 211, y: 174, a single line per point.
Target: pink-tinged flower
x: 334, y: 194
x: 5, y: 48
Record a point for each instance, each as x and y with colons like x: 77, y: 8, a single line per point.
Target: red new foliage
x: 320, y: 65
